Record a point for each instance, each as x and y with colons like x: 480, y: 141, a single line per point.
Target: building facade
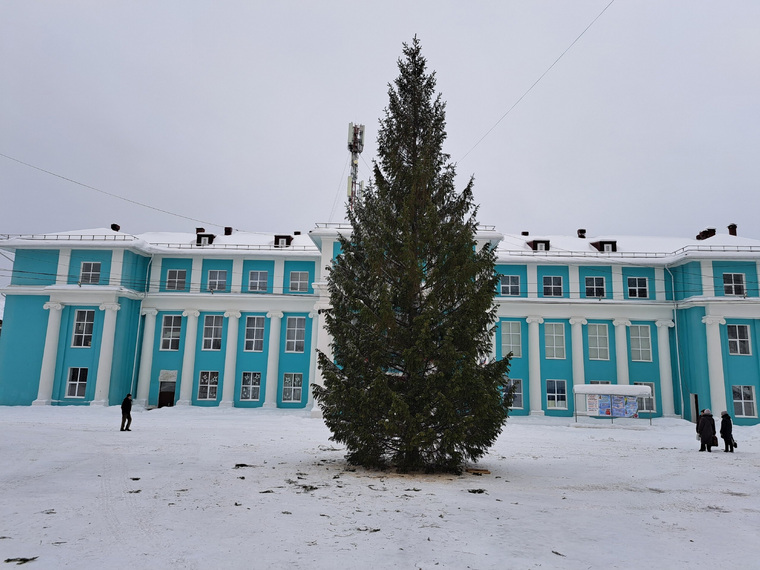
x: 235, y: 319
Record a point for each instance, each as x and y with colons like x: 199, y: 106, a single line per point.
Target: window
x: 554, y: 340
x: 250, y: 387
x: 733, y: 284
x: 295, y: 334
x: 511, y: 339
x: 552, y: 286
x: 217, y: 280
x: 257, y: 280
x: 207, y: 385
x: 77, y: 384
x: 212, y: 332
x: 171, y: 332
x: 738, y: 339
x: 175, y: 279
x: 598, y: 342
x: 299, y: 281
x: 510, y: 285
x: 637, y: 288
x: 254, y: 334
x: 641, y: 344
x: 292, y: 384
x: 744, y: 401
x: 556, y: 394
x: 646, y: 404
x: 517, y: 395
x: 90, y: 274
x: 84, y: 320
x: 595, y: 287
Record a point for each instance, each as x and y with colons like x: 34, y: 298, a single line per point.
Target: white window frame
x: 734, y: 285
x: 740, y: 344
x: 295, y: 334
x: 745, y: 404
x: 171, y: 332
x: 509, y: 285
x: 292, y: 385
x: 254, y: 334
x: 299, y: 281
x: 250, y: 387
x: 208, y: 384
x: 638, y: 288
x: 76, y: 384
x: 598, y: 341
x: 552, y: 285
x: 596, y: 288
x: 554, y: 396
x: 554, y: 342
x: 647, y: 404
x: 213, y: 327
x: 89, y: 273
x: 176, y: 279
x: 258, y: 280
x: 518, y: 393
x: 641, y: 344
x: 84, y: 325
x: 511, y: 339
x: 217, y: 280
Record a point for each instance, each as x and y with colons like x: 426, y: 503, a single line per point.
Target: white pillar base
x: 270, y: 405
x: 537, y: 413
x: 99, y: 403
x: 41, y: 402
x: 226, y: 404
x: 183, y: 403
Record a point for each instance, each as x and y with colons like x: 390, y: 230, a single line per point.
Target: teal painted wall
x: 134, y: 271
x: 298, y: 266
x: 75, y: 356
x: 22, y: 343
x: 124, y: 364
x: 518, y: 367
x: 595, y: 271
x: 95, y: 255
x: 748, y: 268
x: 295, y: 362
x: 601, y: 370
x: 688, y: 280
x: 557, y: 369
x: 211, y: 360
x: 693, y: 358
x: 258, y: 265
x: 216, y: 265
x: 166, y: 359
x: 645, y: 272
x: 520, y: 271
x: 641, y: 371
x: 740, y: 369
x: 175, y: 263
x: 35, y: 267
x: 555, y: 271
x: 248, y: 361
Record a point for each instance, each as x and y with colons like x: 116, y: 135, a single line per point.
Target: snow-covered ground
x: 226, y: 488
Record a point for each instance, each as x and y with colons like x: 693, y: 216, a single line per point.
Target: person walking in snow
x: 706, y: 430
x: 726, y: 432
x: 126, y: 413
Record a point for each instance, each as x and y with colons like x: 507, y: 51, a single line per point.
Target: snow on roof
x: 613, y: 389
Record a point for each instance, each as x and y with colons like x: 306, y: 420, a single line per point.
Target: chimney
x: 704, y: 234
x: 117, y: 227
x: 524, y: 233
x: 297, y: 233
x: 582, y: 233
x: 732, y: 229
x: 228, y: 230
x: 200, y: 230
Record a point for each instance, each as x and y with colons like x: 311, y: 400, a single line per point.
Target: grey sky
x: 236, y: 113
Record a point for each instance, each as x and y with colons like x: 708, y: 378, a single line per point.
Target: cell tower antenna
x: 355, y: 147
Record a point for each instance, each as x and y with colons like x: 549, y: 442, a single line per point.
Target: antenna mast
x: 355, y: 147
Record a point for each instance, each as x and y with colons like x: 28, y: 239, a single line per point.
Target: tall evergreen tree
x: 412, y: 310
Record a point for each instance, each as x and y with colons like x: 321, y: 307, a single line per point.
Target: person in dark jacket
x: 726, y: 432
x: 126, y: 413
x: 706, y: 430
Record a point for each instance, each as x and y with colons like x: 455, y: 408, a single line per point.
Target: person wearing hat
x: 706, y: 430
x: 726, y: 432
x: 126, y: 413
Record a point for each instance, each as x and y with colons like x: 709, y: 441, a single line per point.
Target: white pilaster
x: 617, y: 282
x: 576, y: 331
x: 715, y: 363
x: 279, y: 285
x: 534, y: 366
x: 117, y: 266
x: 621, y: 350
x: 574, y: 282
x: 62, y: 273
x: 314, y: 316
x: 659, y: 284
x: 105, y: 360
x: 708, y: 285
x: 532, y: 283
x: 188, y: 357
x: 195, y: 275
x: 50, y: 352
x: 155, y: 274
x: 273, y: 359
x: 237, y: 275
x: 230, y: 358
x: 666, y: 371
x: 146, y: 355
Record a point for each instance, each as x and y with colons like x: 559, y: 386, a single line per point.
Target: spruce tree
x: 409, y: 384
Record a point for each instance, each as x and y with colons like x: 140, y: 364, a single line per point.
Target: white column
x: 576, y: 328
x: 534, y: 366
x: 708, y: 285
x: 230, y: 359
x: 117, y: 266
x: 105, y: 360
x: 196, y: 273
x: 64, y: 260
x: 188, y: 357
x: 155, y: 274
x: 273, y: 359
x: 146, y: 356
x: 666, y: 370
x: 49, y: 354
x: 574, y: 282
x: 314, y: 316
x: 617, y: 282
x: 532, y: 285
x: 237, y: 275
x: 279, y: 286
x: 715, y: 363
x: 621, y: 350
x: 659, y: 284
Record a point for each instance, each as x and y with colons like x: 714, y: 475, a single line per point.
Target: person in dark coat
x: 706, y: 430
x: 126, y: 413
x: 726, y: 432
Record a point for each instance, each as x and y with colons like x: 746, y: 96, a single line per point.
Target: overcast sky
x: 236, y: 112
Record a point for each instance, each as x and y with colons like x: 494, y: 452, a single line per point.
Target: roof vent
x: 228, y: 230
x: 704, y: 234
x: 732, y: 229
x: 582, y: 233
x: 117, y: 227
